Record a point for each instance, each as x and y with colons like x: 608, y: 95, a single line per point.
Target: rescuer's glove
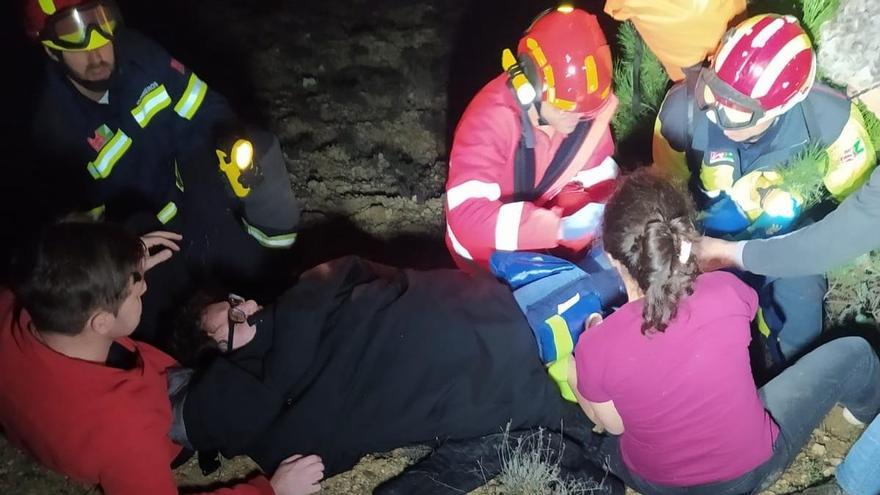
x: 582, y: 223
x: 724, y: 217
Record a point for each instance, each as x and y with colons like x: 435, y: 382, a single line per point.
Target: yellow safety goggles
x: 83, y: 27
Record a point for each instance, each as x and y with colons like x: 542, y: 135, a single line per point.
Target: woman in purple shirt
x: 668, y: 374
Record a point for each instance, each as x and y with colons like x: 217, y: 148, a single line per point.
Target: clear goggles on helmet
x: 724, y: 105
x: 83, y: 27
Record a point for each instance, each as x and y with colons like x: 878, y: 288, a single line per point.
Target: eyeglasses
x: 235, y: 315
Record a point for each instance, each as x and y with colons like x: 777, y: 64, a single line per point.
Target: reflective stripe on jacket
x: 480, y: 213
x: 713, y: 164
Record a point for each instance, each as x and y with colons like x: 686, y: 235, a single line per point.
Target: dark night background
x: 364, y: 96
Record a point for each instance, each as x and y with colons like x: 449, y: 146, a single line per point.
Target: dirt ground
x: 362, y: 97
x: 20, y: 476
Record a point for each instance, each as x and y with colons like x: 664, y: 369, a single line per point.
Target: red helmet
x: 71, y: 24
x: 765, y: 65
x: 570, y: 58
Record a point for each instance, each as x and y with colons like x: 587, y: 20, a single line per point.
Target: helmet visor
x: 725, y: 106
x: 74, y: 28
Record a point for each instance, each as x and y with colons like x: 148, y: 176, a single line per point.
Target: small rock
x: 828, y: 472
x: 835, y: 461
x: 309, y: 82
x: 825, y: 438
x: 818, y: 449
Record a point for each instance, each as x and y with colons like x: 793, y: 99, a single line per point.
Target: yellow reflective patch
x: 592, y: 74
x: 561, y: 336
x: 178, y: 180
x: 605, y: 93
x: 167, y: 213
x: 852, y: 157
x: 97, y: 213
x: 558, y: 371
x: 549, y: 80
x: 47, y: 6
x: 667, y: 160
x: 762, y: 324
x: 151, y: 104
x: 535, y: 48
x: 716, y: 177
x: 109, y: 155
x: 270, y: 241
x: 561, y: 104
x: 192, y: 97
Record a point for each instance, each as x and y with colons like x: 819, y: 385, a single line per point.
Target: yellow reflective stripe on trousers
x: 167, y: 213
x: 561, y: 336
x: 109, y: 155
x: 150, y: 105
x: 269, y: 241
x: 97, y: 213
x: 178, y: 180
x: 763, y: 327
x: 192, y: 98
x: 558, y: 371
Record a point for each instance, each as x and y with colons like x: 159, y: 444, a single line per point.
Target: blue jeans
x: 845, y: 370
x: 858, y: 475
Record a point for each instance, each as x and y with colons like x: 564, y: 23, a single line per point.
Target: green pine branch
x: 653, y: 83
x: 815, y: 13
x: 804, y: 175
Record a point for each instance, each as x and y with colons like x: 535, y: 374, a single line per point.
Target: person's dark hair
x: 188, y: 343
x: 73, y: 269
x: 648, y: 223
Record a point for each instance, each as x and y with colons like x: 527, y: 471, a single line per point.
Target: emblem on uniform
x: 851, y: 154
x: 721, y: 157
x: 102, y: 135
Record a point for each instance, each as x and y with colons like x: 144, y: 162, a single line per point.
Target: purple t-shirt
x: 690, y: 409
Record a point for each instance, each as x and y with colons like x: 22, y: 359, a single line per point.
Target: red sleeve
x: 590, y: 362
x: 604, y: 149
x: 138, y: 464
x: 479, y: 170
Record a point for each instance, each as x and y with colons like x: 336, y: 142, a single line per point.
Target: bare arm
x: 604, y: 415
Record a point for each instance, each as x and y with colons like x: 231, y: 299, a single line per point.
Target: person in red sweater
x: 75, y: 391
x: 531, y: 166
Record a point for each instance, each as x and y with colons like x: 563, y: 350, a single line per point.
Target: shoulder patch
x: 176, y: 65
x: 716, y: 157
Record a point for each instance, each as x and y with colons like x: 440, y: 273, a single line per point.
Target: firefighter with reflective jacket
x: 133, y: 135
x: 756, y: 109
x: 531, y: 162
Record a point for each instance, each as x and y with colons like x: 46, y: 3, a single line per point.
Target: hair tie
x: 684, y: 252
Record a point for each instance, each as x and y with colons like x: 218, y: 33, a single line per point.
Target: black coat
x: 360, y: 358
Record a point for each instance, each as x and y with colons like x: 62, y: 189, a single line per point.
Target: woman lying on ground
x: 359, y: 358
x: 668, y: 374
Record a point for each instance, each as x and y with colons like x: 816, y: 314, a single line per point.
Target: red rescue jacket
x: 481, y: 215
